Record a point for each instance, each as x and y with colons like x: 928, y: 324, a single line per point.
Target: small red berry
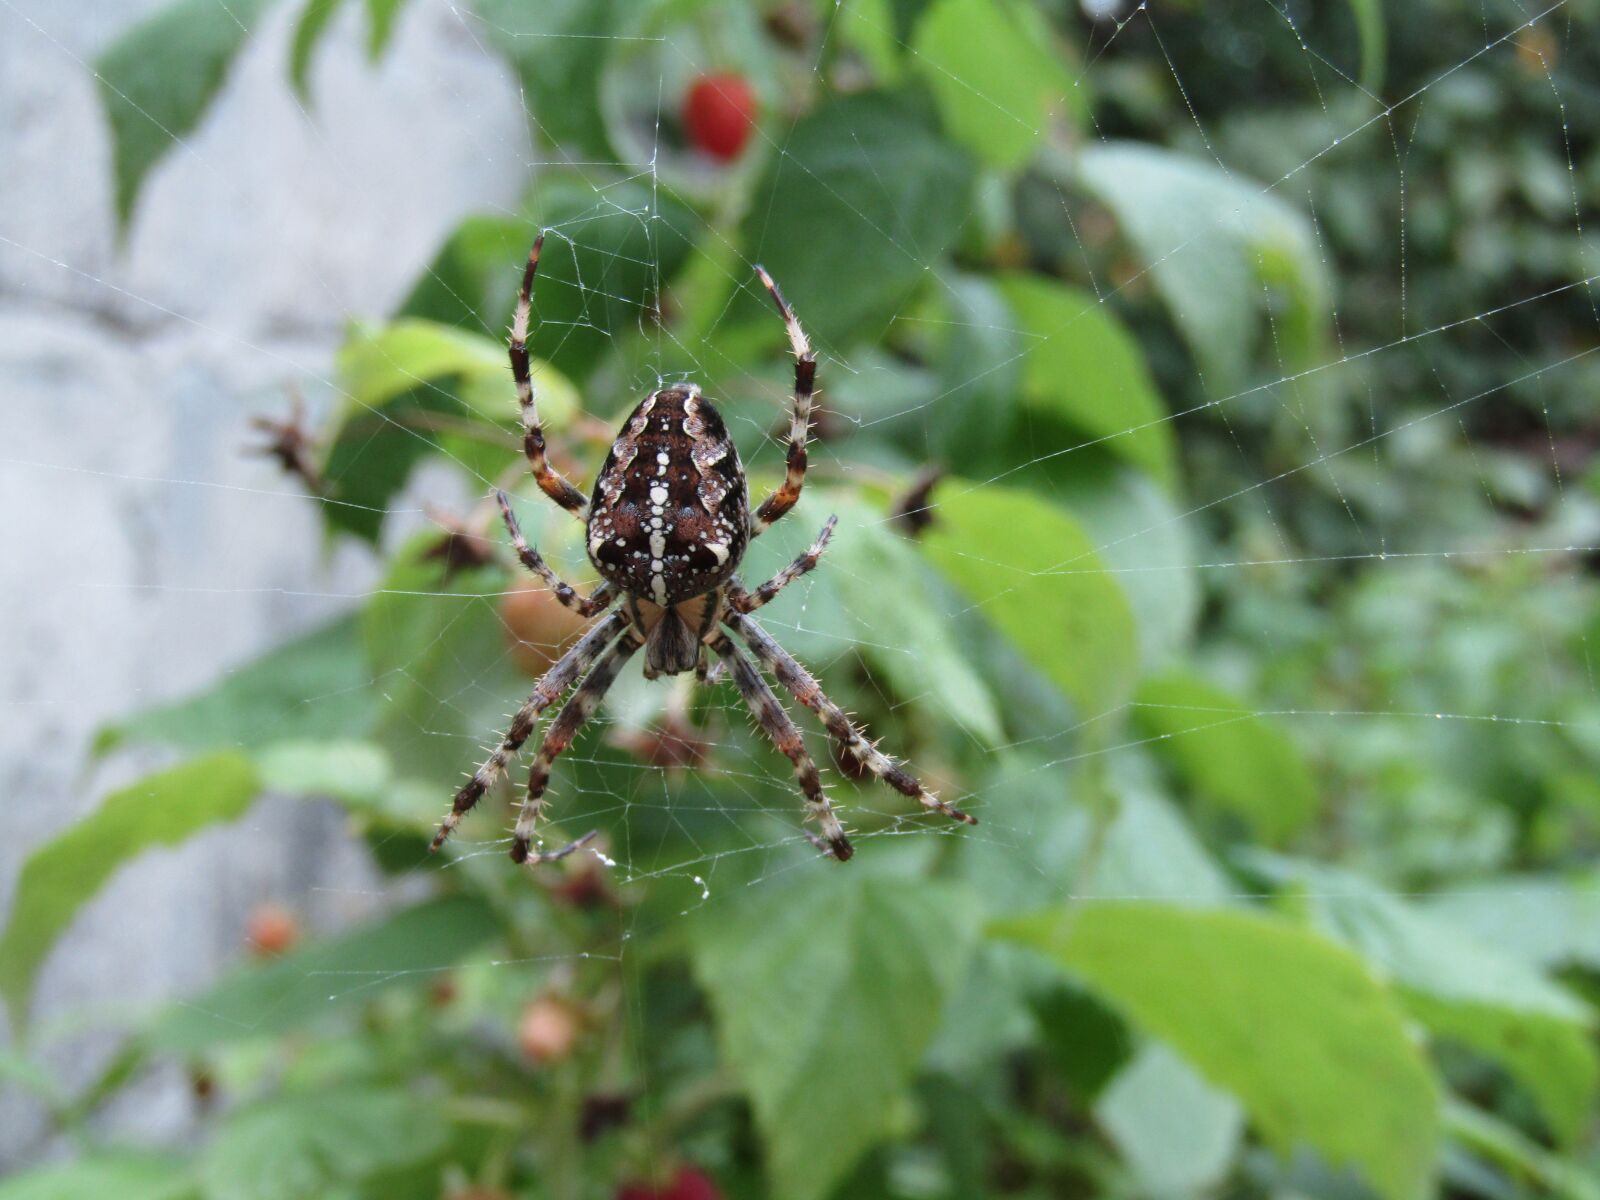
x: 718, y: 114
x: 690, y: 1183
x: 548, y: 1030
x: 271, y: 930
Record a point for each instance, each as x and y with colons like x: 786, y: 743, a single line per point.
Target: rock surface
x: 144, y: 554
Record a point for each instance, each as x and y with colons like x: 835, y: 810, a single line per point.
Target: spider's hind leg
x: 785, y: 734
x: 804, y: 687
x: 545, y: 693
x: 558, y: 737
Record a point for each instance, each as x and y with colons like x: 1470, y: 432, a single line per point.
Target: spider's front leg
x: 584, y: 606
x: 785, y: 734
x: 545, y: 693
x: 558, y: 737
x: 805, y: 380
x: 804, y: 687
x: 550, y: 481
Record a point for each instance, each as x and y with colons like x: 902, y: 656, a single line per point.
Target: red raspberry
x: 718, y: 114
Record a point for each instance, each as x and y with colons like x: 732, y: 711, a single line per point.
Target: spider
x: 666, y: 528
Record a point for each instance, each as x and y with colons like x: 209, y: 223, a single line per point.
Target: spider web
x: 270, y: 575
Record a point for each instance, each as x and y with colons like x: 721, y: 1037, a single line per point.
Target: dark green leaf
x: 1000, y: 78
x: 864, y: 197
x: 316, y: 685
x: 300, y: 1146
x: 157, y: 79
x: 826, y: 1031
x: 1035, y: 575
x: 1230, y: 757
x: 61, y: 876
x: 410, y: 947
x: 1293, y: 1026
x: 559, y: 48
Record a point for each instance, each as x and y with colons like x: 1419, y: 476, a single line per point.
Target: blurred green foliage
x: 1253, y: 622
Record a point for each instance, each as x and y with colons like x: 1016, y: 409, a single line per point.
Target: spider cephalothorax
x: 667, y: 528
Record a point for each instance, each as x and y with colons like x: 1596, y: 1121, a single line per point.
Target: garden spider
x: 666, y: 528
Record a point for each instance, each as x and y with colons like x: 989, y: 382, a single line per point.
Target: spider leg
x: 584, y: 606
x: 549, y: 479
x: 805, y: 376
x: 742, y: 601
x: 545, y: 693
x: 785, y: 734
x: 804, y: 687
x: 559, y: 736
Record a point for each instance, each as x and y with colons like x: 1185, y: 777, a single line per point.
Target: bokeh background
x: 1208, y: 405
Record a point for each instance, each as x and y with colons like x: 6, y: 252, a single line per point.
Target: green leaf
x: 441, y: 651
x: 1083, y: 366
x: 866, y: 176
x: 61, y: 876
x: 125, y: 1176
x: 1000, y: 79
x: 157, y: 79
x: 912, y: 645
x: 1547, y: 920
x: 1176, y: 1132
x: 1220, y: 249
x: 308, y: 31
x: 305, y: 1145
x: 1461, y: 989
x: 1293, y: 1026
x: 409, y: 383
x: 1035, y: 575
x: 410, y: 947
x: 316, y: 685
x: 382, y: 17
x: 826, y: 994
x: 379, y: 364
x: 351, y: 771
x: 980, y: 362
x: 1528, y: 1163
x: 1144, y: 542
x: 1228, y: 756
x: 559, y: 49
x: 1374, y: 42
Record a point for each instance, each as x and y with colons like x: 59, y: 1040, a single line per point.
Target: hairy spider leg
x: 805, y: 378
x: 804, y: 687
x: 550, y: 481
x: 559, y: 736
x: 745, y: 602
x: 785, y: 734
x: 546, y: 692
x: 584, y: 606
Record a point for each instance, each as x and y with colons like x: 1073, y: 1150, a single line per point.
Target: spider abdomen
x: 670, y: 515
